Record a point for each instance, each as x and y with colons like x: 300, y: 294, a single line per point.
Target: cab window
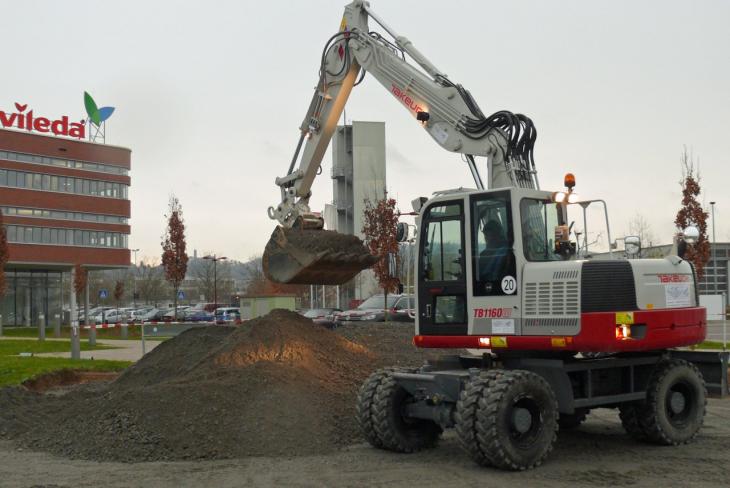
x: 539, y: 220
x: 494, y: 265
x: 443, y: 244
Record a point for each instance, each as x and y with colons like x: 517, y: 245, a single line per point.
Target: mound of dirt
x: 277, y: 385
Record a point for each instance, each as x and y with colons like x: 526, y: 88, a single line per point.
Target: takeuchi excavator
x: 544, y: 333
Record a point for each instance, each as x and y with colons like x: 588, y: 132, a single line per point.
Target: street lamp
x: 714, y: 260
x: 215, y: 260
x: 134, y: 279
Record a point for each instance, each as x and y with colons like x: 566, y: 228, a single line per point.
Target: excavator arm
x: 444, y: 109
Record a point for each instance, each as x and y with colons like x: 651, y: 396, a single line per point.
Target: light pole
x: 134, y: 279
x: 714, y: 260
x: 215, y: 260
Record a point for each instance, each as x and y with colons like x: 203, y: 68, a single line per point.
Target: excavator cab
x: 472, y: 247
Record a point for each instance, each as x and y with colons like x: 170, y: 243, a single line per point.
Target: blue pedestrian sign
x: 103, y: 293
x: 180, y: 295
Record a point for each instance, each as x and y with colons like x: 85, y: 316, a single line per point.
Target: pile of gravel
x: 277, y: 385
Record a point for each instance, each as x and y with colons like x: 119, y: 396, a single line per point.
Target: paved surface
x: 125, y: 350
x: 598, y: 454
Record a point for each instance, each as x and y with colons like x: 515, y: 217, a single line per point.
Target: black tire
x: 516, y: 419
x: 629, y: 415
x: 394, y: 430
x: 364, y: 406
x: 676, y: 400
x: 568, y: 421
x: 470, y: 399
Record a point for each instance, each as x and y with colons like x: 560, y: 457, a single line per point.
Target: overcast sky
x: 210, y: 95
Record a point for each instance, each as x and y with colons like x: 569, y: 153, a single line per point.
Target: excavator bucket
x: 314, y: 257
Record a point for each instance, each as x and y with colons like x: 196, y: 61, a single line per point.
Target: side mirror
x: 401, y: 232
x: 691, y: 234
x: 632, y: 245
x: 392, y: 265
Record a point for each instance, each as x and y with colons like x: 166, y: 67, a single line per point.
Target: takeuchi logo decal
x: 25, y: 119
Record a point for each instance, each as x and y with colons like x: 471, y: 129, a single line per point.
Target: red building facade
x: 64, y: 202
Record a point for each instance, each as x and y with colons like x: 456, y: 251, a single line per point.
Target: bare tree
x: 118, y: 292
x: 639, y: 226
x: 150, y: 282
x: 206, y: 275
x: 174, y: 257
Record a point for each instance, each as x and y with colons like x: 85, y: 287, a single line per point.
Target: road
x: 598, y: 454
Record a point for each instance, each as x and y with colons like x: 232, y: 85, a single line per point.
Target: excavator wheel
x: 314, y: 257
x: 396, y: 432
x: 675, y: 406
x: 509, y: 420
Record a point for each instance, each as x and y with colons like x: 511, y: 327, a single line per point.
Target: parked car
x: 193, y: 315
x: 373, y: 310
x: 170, y: 315
x: 109, y: 316
x: 321, y: 316
x: 227, y: 315
x: 160, y: 315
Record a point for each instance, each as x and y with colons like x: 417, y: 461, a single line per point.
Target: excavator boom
x: 444, y: 109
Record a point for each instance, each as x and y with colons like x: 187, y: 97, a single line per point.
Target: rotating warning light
x: 423, y: 117
x: 569, y: 181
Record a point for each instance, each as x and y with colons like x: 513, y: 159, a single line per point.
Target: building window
x: 80, y: 186
x: 69, y: 237
x: 61, y: 215
x: 63, y: 163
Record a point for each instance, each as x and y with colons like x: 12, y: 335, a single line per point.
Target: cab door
x: 442, y: 297
x: 494, y: 307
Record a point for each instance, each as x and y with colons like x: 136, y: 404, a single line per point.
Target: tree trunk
x: 174, y: 303
x: 385, y: 303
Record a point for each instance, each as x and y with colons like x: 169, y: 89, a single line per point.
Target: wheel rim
x: 525, y: 421
x: 680, y: 403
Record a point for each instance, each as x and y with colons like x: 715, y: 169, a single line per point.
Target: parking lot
x: 597, y: 454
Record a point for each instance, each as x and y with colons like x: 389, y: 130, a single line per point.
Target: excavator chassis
x: 507, y: 410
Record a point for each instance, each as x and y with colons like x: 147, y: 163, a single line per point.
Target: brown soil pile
x: 277, y: 385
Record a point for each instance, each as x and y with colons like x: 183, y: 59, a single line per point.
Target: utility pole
x: 134, y: 279
x: 215, y: 260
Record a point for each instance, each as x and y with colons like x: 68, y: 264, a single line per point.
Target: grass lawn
x: 106, y: 334
x: 15, y: 369
x: 710, y: 345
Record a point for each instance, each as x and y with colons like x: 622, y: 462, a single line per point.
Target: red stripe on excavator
x: 665, y: 328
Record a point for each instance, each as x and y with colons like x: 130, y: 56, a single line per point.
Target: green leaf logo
x: 96, y: 115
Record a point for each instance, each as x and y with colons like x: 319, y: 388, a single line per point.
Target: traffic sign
x: 103, y: 293
x: 180, y: 295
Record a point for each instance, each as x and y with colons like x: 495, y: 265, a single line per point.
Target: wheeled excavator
x: 542, y: 334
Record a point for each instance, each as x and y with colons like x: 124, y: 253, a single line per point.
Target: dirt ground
x: 272, y: 404
x: 598, y: 454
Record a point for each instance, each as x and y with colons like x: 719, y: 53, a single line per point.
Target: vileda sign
x: 23, y: 118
